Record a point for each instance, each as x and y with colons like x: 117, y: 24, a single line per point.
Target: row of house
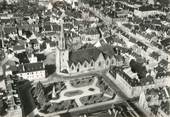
x: 13, y: 100
x: 30, y: 71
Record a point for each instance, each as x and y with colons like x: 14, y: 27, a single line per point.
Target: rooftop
x: 90, y: 54
x: 30, y: 67
x: 19, y: 47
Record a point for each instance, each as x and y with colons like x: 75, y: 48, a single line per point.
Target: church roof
x: 107, y: 50
x: 89, y: 54
x: 83, y: 55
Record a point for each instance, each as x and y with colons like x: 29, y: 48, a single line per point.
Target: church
x: 69, y: 62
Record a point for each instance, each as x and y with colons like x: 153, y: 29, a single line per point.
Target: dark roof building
x: 10, y: 29
x: 83, y: 55
x: 90, y: 54
x: 30, y: 67
x: 33, y: 41
x: 165, y: 42
x: 18, y: 47
x: 56, y: 27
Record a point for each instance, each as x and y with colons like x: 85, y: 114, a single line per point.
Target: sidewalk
x: 57, y: 77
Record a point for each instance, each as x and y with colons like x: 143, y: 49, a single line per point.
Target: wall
x: 128, y: 90
x: 36, y: 75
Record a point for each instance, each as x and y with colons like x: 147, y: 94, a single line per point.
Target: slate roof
x: 7, y: 21
x: 52, y: 27
x: 90, y: 54
x: 165, y: 42
x: 168, y: 32
x: 90, y: 31
x: 68, y: 26
x: 18, y: 47
x: 156, y: 22
x: 74, y: 34
x: 163, y: 62
x: 33, y: 41
x: 12, y: 68
x: 107, y: 50
x: 10, y: 29
x: 132, y: 82
x: 30, y: 67
x: 27, y: 26
x: 83, y: 22
x: 113, y: 39
x: 56, y: 27
x: 47, y: 27
x: 83, y: 55
x: 149, y: 79
x: 75, y: 14
x: 53, y: 44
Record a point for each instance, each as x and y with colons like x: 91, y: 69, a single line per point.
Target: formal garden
x: 83, y: 82
x: 93, y: 99
x: 73, y: 93
x: 56, y: 107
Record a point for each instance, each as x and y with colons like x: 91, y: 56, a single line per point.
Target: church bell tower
x: 62, y: 53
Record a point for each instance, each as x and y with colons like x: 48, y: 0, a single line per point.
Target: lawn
x: 82, y: 82
x: 88, y: 100
x: 73, y: 93
x: 56, y: 107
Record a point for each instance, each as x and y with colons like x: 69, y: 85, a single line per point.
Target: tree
x: 38, y: 89
x: 39, y: 94
x: 40, y: 57
x: 50, y: 69
x: 138, y: 68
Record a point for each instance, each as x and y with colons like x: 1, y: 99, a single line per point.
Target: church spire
x: 62, y: 43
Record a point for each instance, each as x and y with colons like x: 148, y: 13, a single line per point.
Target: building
x: 19, y: 49
x: 32, y: 58
x: 13, y: 99
x: 142, y: 101
x: 12, y: 1
x: 158, y: 101
x: 130, y: 86
x: 28, y: 27
x: 43, y: 2
x: 29, y: 71
x: 34, y: 44
x: 90, y: 35
x: 84, y: 60
x: 2, y: 54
